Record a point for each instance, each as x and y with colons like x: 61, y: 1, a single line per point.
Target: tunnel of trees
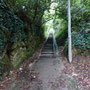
x: 24, y: 24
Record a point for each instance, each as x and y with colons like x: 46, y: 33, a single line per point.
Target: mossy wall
x: 18, y: 38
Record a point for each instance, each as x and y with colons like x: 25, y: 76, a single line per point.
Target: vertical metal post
x: 69, y: 33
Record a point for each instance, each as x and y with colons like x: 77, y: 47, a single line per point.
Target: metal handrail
x: 55, y: 46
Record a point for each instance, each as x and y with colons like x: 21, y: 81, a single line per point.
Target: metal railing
x: 55, y: 46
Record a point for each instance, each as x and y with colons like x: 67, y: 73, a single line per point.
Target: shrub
x: 82, y: 40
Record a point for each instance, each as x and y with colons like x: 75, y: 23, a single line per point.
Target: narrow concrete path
x: 48, y: 67
x: 45, y: 74
x: 49, y: 71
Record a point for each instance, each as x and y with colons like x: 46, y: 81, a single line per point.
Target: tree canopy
x: 23, y: 24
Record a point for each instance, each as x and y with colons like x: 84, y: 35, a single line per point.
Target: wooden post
x: 69, y: 34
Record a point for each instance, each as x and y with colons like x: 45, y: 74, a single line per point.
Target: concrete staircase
x: 47, y: 50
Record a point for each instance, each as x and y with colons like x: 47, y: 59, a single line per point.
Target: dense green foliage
x: 22, y: 25
x: 80, y: 22
x: 80, y: 18
x: 20, y: 30
x: 10, y: 30
x: 10, y: 27
x: 81, y: 39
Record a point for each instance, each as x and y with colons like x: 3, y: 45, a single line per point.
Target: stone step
x: 42, y: 57
x: 47, y: 53
x: 50, y: 56
x: 48, y: 47
x: 47, y: 50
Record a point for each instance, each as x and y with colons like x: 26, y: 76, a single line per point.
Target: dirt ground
x: 80, y: 70
x: 50, y: 74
